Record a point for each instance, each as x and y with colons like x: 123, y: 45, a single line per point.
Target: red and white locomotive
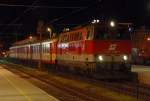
x: 90, y: 48
x: 96, y: 47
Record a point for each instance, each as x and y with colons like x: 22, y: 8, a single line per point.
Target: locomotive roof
x: 103, y: 23
x: 77, y: 28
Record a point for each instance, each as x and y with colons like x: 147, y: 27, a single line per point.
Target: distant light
x: 130, y: 29
x: 30, y: 37
x: 67, y: 29
x: 148, y: 39
x: 95, y: 21
x: 112, y: 24
x: 3, y: 53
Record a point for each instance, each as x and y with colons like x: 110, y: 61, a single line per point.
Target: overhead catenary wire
x: 18, y: 17
x: 71, y: 13
x: 25, y: 11
x: 33, y: 6
x: 11, y: 24
x: 30, y: 7
x: 40, y: 6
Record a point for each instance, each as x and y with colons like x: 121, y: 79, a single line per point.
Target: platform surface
x: 143, y: 73
x: 140, y: 68
x: 14, y: 88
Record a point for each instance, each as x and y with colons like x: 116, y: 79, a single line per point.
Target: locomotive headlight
x: 100, y: 58
x: 125, y: 57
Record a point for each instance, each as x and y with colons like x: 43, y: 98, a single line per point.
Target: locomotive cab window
x: 103, y: 33
x: 100, y: 33
x: 89, y: 35
x: 122, y: 33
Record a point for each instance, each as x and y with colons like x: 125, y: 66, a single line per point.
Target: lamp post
x: 40, y: 50
x: 50, y: 32
x: 30, y: 41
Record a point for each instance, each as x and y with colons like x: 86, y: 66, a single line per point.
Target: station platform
x: 14, y: 88
x: 143, y: 73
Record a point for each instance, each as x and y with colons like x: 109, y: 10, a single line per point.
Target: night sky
x: 18, y: 18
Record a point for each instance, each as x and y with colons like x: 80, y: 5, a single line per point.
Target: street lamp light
x: 50, y: 31
x: 30, y: 37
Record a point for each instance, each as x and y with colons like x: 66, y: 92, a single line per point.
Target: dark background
x: 18, y: 22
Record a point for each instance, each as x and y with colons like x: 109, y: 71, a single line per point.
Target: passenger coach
x: 27, y: 51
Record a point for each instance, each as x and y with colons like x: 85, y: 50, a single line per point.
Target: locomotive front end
x: 113, y: 55
x: 112, y: 47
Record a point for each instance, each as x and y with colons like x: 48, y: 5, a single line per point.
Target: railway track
x: 139, y: 91
x: 72, y: 94
x: 134, y: 89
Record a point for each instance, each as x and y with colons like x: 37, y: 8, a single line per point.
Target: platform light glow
x: 30, y: 37
x: 148, y: 39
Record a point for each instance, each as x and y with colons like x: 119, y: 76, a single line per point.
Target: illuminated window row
x: 71, y: 37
